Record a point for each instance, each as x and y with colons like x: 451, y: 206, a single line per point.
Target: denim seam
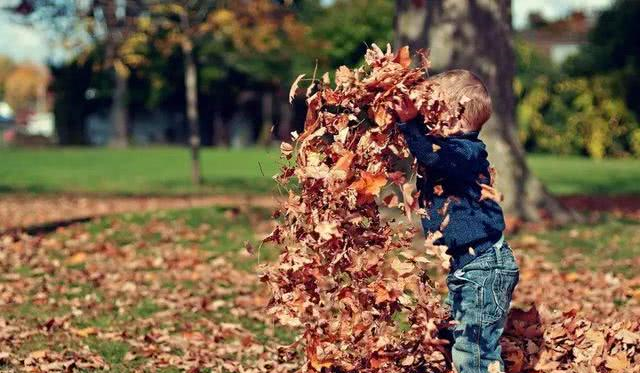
x: 480, y: 293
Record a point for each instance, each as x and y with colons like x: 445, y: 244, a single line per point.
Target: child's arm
x: 456, y: 158
x: 420, y: 145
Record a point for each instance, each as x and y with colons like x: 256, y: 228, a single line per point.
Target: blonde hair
x: 465, y: 88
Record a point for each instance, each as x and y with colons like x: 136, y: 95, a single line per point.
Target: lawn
x: 148, y: 171
x: 579, y: 175
x: 165, y: 170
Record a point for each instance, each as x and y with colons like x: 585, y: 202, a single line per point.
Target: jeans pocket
x: 497, y: 295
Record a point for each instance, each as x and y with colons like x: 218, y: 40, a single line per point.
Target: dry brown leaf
x: 294, y: 87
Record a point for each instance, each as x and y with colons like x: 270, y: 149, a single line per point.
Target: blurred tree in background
x: 614, y: 47
x: 348, y: 27
x: 107, y: 23
x: 222, y: 44
x: 589, y: 105
x: 226, y: 67
x: 25, y: 87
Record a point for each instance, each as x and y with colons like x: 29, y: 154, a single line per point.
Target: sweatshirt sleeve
x: 457, y: 158
x: 420, y: 145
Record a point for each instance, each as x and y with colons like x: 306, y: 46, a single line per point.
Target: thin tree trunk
x: 119, y: 106
x: 476, y: 35
x: 191, y: 89
x: 267, y: 119
x: 220, y: 133
x: 286, y: 117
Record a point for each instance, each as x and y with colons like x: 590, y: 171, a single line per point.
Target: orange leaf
x: 344, y: 163
x: 382, y: 117
x: 403, y: 57
x: 370, y: 184
x: 77, y: 258
x: 437, y: 190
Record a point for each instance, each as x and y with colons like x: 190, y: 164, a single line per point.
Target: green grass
x: 166, y: 171
x: 579, y: 175
x: 148, y: 171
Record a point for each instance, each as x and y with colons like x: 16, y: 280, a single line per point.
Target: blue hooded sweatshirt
x: 452, y: 169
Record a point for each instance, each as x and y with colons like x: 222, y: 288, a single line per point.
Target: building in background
x: 561, y: 38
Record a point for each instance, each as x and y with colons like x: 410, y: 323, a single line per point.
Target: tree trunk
x: 191, y: 92
x: 220, y: 132
x: 286, y: 117
x: 264, y: 138
x: 119, y: 107
x: 476, y: 35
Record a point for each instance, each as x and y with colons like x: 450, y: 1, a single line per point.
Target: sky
x: 24, y: 43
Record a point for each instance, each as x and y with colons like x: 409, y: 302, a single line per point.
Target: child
x: 483, y: 270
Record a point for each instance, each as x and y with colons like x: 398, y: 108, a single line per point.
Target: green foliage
x: 348, y: 26
x: 560, y: 114
x: 613, y: 48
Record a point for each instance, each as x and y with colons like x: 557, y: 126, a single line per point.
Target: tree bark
x: 191, y: 92
x: 476, y: 35
x: 286, y: 117
x: 264, y: 137
x: 119, y: 107
x: 220, y: 132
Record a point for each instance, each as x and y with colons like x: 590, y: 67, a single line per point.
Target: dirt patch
x: 626, y: 205
x: 19, y: 211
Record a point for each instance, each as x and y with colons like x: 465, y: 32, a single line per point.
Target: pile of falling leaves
x: 352, y: 281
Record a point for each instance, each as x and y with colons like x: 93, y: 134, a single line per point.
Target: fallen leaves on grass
x: 156, y: 292
x: 135, y: 296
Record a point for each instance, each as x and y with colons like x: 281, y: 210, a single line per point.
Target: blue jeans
x: 479, y: 297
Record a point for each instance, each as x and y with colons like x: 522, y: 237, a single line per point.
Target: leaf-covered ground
x: 173, y: 291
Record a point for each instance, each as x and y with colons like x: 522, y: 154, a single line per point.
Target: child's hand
x: 405, y: 109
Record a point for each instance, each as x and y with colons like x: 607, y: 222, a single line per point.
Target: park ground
x: 125, y: 265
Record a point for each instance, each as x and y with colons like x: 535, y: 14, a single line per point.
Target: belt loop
x: 498, y: 251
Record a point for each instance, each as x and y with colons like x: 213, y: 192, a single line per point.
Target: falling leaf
x: 618, y: 362
x: 445, y: 222
x: 494, y: 367
x: 327, y: 230
x: 402, y: 268
x: 369, y: 184
x: 249, y: 247
x: 489, y: 192
x: 294, y: 87
x: 286, y: 149
x: 344, y: 77
x: 437, y: 190
x: 403, y: 57
x: 343, y: 164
